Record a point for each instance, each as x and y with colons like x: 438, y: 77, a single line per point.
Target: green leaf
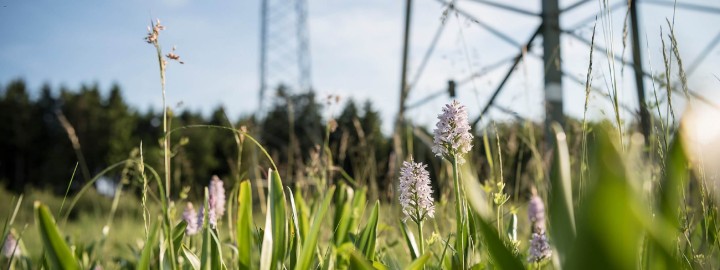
x: 343, y: 214
x: 609, y: 228
x: 190, y: 257
x: 150, y: 244
x: 358, y: 206
x: 206, y: 259
x: 303, y: 214
x: 244, y: 228
x: 295, y: 238
x: 369, y: 234
x: 560, y: 201
x: 409, y: 240
x: 57, y: 251
x: 357, y: 260
x: 178, y: 233
x: 310, y: 244
x: 419, y: 263
x: 501, y: 255
x: 673, y: 182
x: 216, y: 251
x: 273, y: 248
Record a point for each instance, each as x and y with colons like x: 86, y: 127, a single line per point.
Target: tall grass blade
x: 501, y: 255
x: 244, y: 229
x: 562, y: 216
x: 310, y: 244
x: 147, y: 252
x: 216, y: 252
x: 343, y: 213
x: 357, y: 260
x: 409, y: 240
x: 296, y: 241
x: 368, y: 237
x: 608, y: 225
x: 190, y: 258
x: 178, y: 233
x: 275, y: 224
x: 419, y: 263
x: 303, y: 215
x: 56, y: 249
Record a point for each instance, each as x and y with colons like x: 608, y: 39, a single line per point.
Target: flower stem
x: 459, y: 223
x: 421, y: 237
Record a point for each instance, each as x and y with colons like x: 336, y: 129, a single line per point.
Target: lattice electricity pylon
x: 284, y: 47
x: 550, y: 30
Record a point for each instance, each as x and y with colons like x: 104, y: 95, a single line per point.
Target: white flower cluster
x: 536, y: 214
x: 217, y: 196
x: 10, y: 247
x: 539, y: 248
x: 191, y: 217
x: 452, y: 136
x: 415, y: 191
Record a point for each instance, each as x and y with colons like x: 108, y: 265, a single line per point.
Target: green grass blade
x: 303, y: 215
x: 296, y: 241
x: 609, y: 226
x: 10, y: 219
x: 358, y: 207
x: 419, y: 263
x: 244, y: 229
x: 206, y: 249
x: 356, y: 259
x: 266, y: 251
x: 343, y: 215
x: 275, y: 224
x: 310, y: 244
x: 560, y: 202
x: 190, y: 258
x: 178, y: 233
x: 499, y: 251
x: 368, y: 237
x: 278, y: 209
x: 675, y: 179
x: 147, y: 252
x: 216, y: 252
x: 409, y: 240
x: 57, y: 251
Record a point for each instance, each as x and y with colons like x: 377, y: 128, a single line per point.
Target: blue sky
x: 355, y: 48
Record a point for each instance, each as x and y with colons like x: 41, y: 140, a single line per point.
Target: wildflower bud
x: 212, y: 218
x: 190, y: 216
x: 536, y: 213
x: 539, y: 248
x: 216, y: 197
x: 10, y: 247
x: 452, y: 136
x: 415, y: 191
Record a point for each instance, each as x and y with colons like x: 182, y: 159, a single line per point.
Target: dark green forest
x: 46, y: 132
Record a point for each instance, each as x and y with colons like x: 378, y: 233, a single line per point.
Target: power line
x: 486, y: 26
x: 527, y: 47
x: 506, y: 7
x: 688, y: 6
x: 428, y: 53
x: 483, y: 71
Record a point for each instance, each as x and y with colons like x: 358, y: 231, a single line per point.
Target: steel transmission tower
x: 551, y: 31
x: 284, y: 47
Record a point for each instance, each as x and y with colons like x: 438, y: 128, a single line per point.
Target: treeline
x: 45, y: 133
